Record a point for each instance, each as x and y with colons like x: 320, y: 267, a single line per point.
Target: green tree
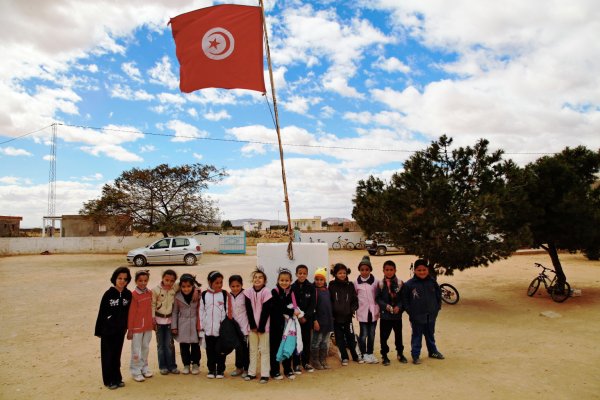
x: 449, y: 207
x: 162, y: 199
x: 564, y: 202
x: 225, y: 225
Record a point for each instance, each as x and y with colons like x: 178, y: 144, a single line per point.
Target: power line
x: 312, y: 146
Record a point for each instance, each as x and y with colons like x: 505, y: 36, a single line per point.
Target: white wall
x: 330, y: 237
x: 272, y: 256
x: 106, y: 244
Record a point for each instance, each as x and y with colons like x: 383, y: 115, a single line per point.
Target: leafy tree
x: 162, y: 199
x: 455, y: 209
x: 564, y: 200
x: 225, y: 225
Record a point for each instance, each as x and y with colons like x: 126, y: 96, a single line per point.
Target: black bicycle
x: 449, y: 293
x: 557, y: 293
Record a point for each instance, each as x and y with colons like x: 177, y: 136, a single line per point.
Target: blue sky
x: 350, y: 77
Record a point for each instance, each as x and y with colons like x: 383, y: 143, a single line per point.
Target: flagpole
x: 285, y: 192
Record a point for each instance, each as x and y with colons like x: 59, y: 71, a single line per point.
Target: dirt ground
x: 497, y: 346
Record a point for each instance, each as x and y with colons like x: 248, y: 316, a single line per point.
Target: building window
x: 101, y: 228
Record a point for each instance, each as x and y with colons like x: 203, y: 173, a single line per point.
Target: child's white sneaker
x: 195, y: 369
x: 185, y: 370
x: 374, y: 360
x: 139, y: 378
x: 148, y: 374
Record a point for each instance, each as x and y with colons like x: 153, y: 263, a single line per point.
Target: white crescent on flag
x: 218, y: 43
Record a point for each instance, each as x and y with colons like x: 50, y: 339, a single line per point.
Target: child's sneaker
x: 385, y: 361
x: 344, y: 363
x: 185, y: 370
x: 250, y: 377
x: 416, y: 360
x: 291, y: 375
x: 211, y: 375
x: 402, y: 359
x: 297, y: 370
x: 139, y: 378
x: 360, y: 360
x: 308, y: 368
x: 237, y: 372
x: 437, y: 355
x: 148, y: 374
x: 325, y: 365
x: 277, y: 377
x: 164, y: 371
x: 174, y: 371
x: 195, y: 369
x: 244, y: 374
x: 263, y: 379
x: 220, y: 376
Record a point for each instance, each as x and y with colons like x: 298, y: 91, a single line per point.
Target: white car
x: 379, y: 245
x: 173, y: 250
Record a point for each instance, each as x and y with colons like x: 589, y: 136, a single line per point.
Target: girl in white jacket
x: 212, y: 313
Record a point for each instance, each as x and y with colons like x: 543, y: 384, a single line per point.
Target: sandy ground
x: 496, y: 343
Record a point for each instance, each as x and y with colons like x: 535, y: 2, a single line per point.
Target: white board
x: 272, y: 256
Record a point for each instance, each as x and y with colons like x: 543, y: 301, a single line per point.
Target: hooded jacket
x: 140, y: 311
x: 422, y: 299
x: 343, y: 300
x: 113, y: 312
x: 185, y: 319
x: 366, y: 290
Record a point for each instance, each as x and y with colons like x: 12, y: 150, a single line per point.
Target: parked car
x: 174, y: 250
x: 207, y: 233
x: 380, y: 245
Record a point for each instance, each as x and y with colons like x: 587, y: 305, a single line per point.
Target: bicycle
x: 361, y: 244
x: 450, y: 294
x: 342, y: 244
x: 556, y: 293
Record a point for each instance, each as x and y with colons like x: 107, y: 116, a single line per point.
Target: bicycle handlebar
x: 545, y: 268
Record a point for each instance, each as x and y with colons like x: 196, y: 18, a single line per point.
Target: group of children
x: 181, y: 312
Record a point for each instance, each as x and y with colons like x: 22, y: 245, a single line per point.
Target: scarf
x: 369, y: 280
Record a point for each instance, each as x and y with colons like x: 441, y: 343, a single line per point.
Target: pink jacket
x: 239, y: 311
x: 257, y: 299
x: 365, y: 292
x: 140, y: 312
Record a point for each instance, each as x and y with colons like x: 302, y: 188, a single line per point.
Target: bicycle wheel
x: 533, y: 287
x: 336, y: 246
x: 449, y: 293
x: 349, y: 246
x: 560, y: 295
x: 359, y: 246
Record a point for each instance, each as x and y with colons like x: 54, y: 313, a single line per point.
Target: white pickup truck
x: 380, y: 245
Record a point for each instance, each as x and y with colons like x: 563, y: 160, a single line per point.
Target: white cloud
x: 94, y: 177
x: 132, y: 71
x: 9, y: 180
x: 185, y: 132
x: 192, y: 112
x: 162, y: 74
x: 48, y: 157
x: 125, y: 92
x: 108, y: 142
x: 197, y: 156
x: 216, y: 116
x: 147, y: 148
x: 391, y: 64
x: 300, y: 104
x: 12, y: 151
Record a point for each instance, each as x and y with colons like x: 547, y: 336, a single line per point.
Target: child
x: 281, y: 299
x: 111, y: 326
x: 344, y: 304
x: 139, y: 326
x: 185, y: 324
x: 163, y: 297
x: 422, y: 300
x: 212, y: 312
x: 304, y: 292
x: 389, y: 299
x: 323, y: 322
x: 368, y: 310
x: 258, y: 309
x: 238, y: 306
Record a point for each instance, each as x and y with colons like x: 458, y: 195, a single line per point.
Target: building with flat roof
x: 10, y: 226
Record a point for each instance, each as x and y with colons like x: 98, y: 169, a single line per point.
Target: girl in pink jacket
x: 368, y: 310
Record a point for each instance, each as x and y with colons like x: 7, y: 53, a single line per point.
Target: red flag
x: 221, y: 47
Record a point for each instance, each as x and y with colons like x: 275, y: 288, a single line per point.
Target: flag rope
x: 286, y: 200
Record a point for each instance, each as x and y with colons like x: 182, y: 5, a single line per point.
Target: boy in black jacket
x: 422, y: 299
x: 344, y: 302
x: 304, y: 291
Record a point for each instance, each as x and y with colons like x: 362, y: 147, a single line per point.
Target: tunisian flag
x: 220, y: 47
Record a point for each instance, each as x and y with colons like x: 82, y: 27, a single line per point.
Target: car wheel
x: 139, y: 261
x: 381, y: 251
x: 189, y: 259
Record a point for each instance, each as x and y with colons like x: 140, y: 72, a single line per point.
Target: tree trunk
x: 165, y: 234
x: 560, y: 274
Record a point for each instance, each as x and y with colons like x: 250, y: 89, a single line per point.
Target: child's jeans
x: 344, y: 339
x: 165, y: 348
x: 366, y: 340
x: 140, y: 345
x: 319, y: 341
x: 242, y: 356
x: 418, y: 331
x: 190, y: 353
x: 386, y: 326
x: 258, y: 344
